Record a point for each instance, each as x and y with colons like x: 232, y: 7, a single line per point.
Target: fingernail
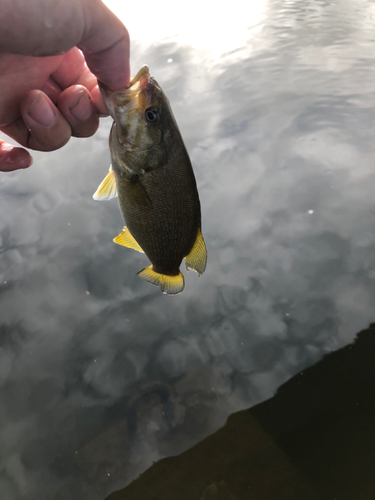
x: 81, y: 107
x: 41, y: 111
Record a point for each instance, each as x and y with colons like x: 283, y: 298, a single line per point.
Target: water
x: 101, y: 374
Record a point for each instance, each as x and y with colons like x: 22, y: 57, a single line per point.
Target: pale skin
x: 51, y: 54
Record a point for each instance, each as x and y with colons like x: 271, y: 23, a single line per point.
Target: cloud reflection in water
x: 282, y: 144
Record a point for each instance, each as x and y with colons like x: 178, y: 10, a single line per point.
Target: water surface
x: 101, y: 374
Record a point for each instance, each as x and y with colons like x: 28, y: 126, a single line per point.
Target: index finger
x: 73, y: 71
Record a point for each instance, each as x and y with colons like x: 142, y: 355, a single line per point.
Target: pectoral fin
x: 197, y: 258
x: 168, y: 284
x: 126, y: 240
x: 107, y: 188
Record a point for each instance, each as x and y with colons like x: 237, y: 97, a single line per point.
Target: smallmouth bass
x: 153, y: 178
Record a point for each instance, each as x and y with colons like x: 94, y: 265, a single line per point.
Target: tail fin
x: 168, y: 284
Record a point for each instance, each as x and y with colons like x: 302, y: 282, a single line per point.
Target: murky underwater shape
x: 100, y: 374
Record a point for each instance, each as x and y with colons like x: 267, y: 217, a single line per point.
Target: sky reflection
x: 208, y: 27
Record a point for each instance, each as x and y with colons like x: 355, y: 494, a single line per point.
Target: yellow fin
x: 127, y: 240
x: 107, y: 188
x: 197, y: 258
x: 168, y: 284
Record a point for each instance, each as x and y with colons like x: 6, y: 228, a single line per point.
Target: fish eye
x: 152, y: 114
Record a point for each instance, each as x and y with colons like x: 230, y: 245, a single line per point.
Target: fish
x: 152, y: 176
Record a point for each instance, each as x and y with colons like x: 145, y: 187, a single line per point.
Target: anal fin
x: 168, y: 284
x: 107, y: 188
x: 197, y: 258
x: 127, y: 240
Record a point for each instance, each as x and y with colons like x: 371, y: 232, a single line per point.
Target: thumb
x: 13, y: 157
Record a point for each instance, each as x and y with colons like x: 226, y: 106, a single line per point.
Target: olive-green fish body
x: 153, y: 178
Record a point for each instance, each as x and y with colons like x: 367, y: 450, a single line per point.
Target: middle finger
x: 75, y: 104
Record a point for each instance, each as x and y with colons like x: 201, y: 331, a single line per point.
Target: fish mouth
x: 140, y: 79
x: 124, y: 97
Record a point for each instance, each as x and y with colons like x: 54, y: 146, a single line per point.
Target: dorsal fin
x: 127, y: 240
x: 107, y: 188
x: 197, y: 258
x: 168, y: 284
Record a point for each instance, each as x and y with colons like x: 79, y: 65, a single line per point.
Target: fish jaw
x: 122, y: 100
x: 127, y: 107
x: 135, y: 140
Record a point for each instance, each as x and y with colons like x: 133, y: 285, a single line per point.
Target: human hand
x: 48, y: 87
